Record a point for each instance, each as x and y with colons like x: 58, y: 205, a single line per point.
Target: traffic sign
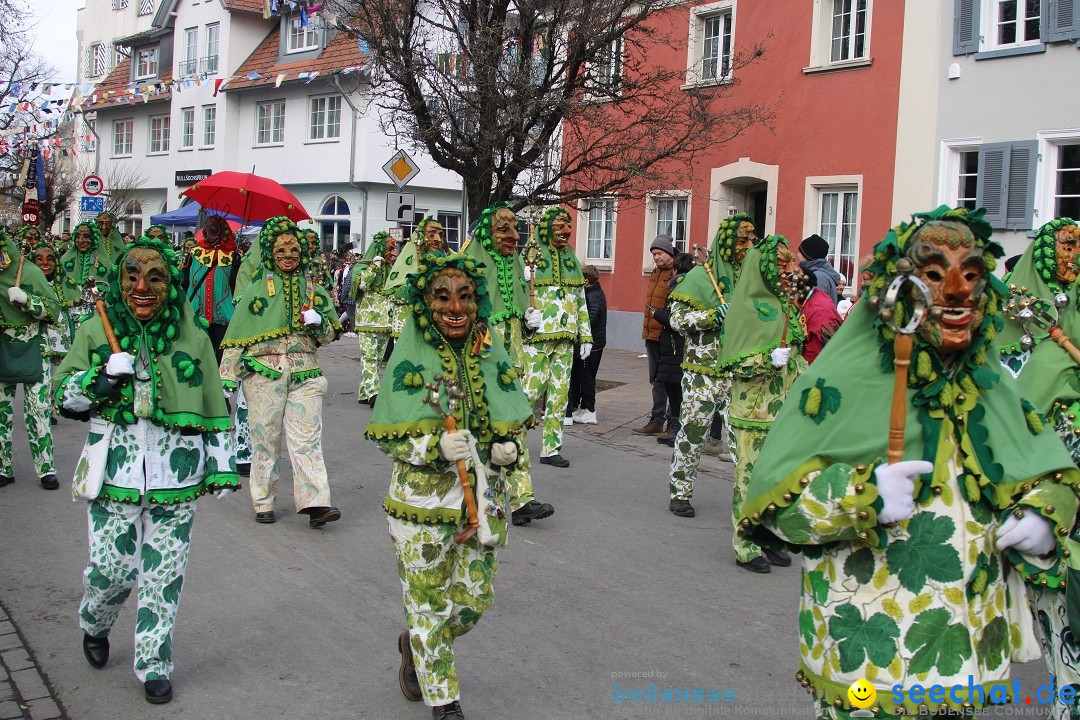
x: 93, y: 185
x: 400, y: 168
x: 88, y: 204
x: 399, y: 206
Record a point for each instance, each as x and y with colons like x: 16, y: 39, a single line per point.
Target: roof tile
x: 342, y: 52
x: 120, y: 80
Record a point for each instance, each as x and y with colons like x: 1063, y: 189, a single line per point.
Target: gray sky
x: 55, y: 35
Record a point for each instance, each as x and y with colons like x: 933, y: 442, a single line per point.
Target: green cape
x: 183, y: 366
x: 1037, y: 271
x: 1050, y: 375
x: 506, y: 285
x: 33, y: 282
x: 555, y: 267
x: 696, y: 288
x: 407, y: 260
x: 494, y: 405
x: 248, y: 266
x: 755, y: 319
x: 375, y: 249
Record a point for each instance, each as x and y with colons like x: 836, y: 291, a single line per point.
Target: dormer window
x: 146, y: 63
x: 301, y: 38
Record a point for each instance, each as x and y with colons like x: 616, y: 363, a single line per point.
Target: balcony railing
x: 188, y: 67
x: 209, y: 64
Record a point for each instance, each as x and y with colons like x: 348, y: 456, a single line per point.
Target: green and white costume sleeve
x: 928, y: 600
x: 26, y: 324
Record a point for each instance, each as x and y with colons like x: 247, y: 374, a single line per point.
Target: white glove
x: 896, y: 487
x: 586, y: 350
x: 378, y: 260
x: 780, y: 357
x: 120, y: 365
x: 503, y: 453
x: 1031, y: 534
x: 229, y: 392
x: 454, y: 445
x: 533, y: 319
x: 311, y: 317
x: 528, y: 273
x: 224, y: 491
x: 16, y: 296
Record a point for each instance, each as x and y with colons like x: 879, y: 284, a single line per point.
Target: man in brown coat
x: 663, y: 407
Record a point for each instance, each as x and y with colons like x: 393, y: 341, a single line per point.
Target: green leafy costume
x: 109, y: 246
x: 373, y: 314
x: 697, y: 314
x: 752, y: 329
x: 445, y: 586
x: 928, y: 600
x: 169, y: 441
x: 76, y: 269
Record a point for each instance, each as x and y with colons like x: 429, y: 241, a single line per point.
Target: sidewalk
x: 24, y: 692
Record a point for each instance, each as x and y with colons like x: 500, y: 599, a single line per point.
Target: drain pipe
x: 352, y: 162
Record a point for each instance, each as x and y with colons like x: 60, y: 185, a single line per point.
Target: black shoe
x: 668, y: 440
x: 682, y: 508
x: 448, y: 712
x: 410, y: 686
x: 778, y: 558
x: 758, y: 565
x: 371, y: 401
x: 556, y: 460
x: 319, y: 516
x: 96, y: 650
x: 49, y: 482
x: 530, y: 511
x: 265, y: 517
x: 6, y: 480
x: 158, y: 692
x: 243, y: 469
x: 52, y: 420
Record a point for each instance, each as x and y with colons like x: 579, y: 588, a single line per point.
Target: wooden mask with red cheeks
x: 391, y: 251
x: 744, y: 240
x: 1065, y: 241
x: 433, y: 235
x: 84, y: 237
x: 45, y: 259
x: 949, y: 261
x: 286, y: 253
x: 451, y: 296
x: 144, y: 282
x: 561, y: 227
x: 504, y: 234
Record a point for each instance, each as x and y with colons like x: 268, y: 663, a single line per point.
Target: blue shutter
x: 993, y: 166
x: 1061, y: 21
x: 966, y: 27
x: 1020, y: 187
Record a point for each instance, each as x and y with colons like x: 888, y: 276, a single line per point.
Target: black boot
x: 319, y: 516
x: 530, y: 511
x: 158, y: 692
x: 49, y: 482
x: 448, y: 712
x: 410, y: 686
x: 96, y: 650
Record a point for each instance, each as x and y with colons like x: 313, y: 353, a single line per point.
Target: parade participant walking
x: 58, y: 334
x: 661, y: 417
x: 270, y: 346
x: 439, y: 482
x: 582, y: 403
x: 111, y: 242
x: 697, y: 311
x: 559, y: 319
x: 80, y: 265
x: 916, y: 531
x: 28, y: 305
x: 373, y: 312
x: 211, y: 277
x: 159, y: 438
x: 495, y: 246
x: 761, y: 352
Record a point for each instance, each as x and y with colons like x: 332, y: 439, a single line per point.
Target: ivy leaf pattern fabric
x: 408, y: 377
x: 187, y: 369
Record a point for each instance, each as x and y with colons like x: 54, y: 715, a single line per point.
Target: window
x: 672, y: 219
x: 325, y: 118
x: 1015, y: 22
x: 605, y: 72
x: 123, y: 131
x: 146, y: 7
x: 1009, y: 27
x: 710, y: 43
x: 189, y: 65
x: 1006, y: 183
x: 838, y: 224
x: 301, y: 37
x: 209, y: 114
x: 270, y: 123
x: 1067, y: 182
x: 159, y: 134
x: 849, y: 30
x: 600, y: 240
x: 408, y: 228
x: 119, y: 55
x: 119, y: 4
x: 210, y: 62
x: 187, y: 128
x: 96, y: 60
x: 451, y: 223
x: 146, y: 63
x: 334, y: 225
x: 967, y: 180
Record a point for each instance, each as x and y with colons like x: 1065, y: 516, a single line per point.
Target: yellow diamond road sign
x: 400, y: 168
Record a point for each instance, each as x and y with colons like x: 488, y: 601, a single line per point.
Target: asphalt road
x: 283, y: 621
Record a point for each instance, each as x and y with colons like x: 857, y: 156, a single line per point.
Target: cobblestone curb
x: 24, y: 691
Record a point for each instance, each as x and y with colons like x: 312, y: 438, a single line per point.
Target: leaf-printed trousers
x: 37, y: 411
x: 547, y: 369
x: 296, y: 408
x: 144, y: 546
x: 372, y: 349
x: 242, y: 439
x: 446, y: 587
x: 702, y: 396
x: 745, y: 446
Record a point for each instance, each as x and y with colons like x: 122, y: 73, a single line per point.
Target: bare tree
x: 545, y: 100
x: 122, y: 183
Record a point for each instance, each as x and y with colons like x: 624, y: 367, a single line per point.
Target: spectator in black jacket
x: 581, y: 406
x: 669, y: 365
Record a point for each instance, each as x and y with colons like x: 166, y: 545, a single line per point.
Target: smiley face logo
x: 861, y: 693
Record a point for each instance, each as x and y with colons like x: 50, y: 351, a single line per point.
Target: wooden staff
x: 453, y: 395
x: 898, y: 411
x: 103, y: 313
x: 699, y: 251
x: 1058, y: 336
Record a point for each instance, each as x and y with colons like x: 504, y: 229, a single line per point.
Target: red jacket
x: 822, y: 320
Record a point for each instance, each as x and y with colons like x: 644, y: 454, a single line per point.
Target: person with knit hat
x: 271, y: 348
x: 27, y: 308
x: 450, y: 405
x: 814, y: 252
x: 664, y: 416
x: 558, y: 322
x: 373, y: 312
x: 697, y: 312
x: 914, y: 562
x: 155, y: 402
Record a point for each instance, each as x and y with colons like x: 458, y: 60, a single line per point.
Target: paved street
x: 282, y: 621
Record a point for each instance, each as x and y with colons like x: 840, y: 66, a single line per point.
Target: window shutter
x: 87, y: 61
x: 993, y: 166
x: 966, y: 27
x: 1061, y: 21
x: 1020, y: 188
